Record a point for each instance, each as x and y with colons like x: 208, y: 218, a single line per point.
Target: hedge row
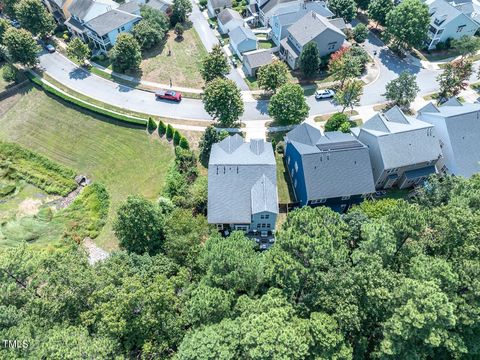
x: 95, y: 109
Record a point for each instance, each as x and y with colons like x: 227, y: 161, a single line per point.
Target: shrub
x: 66, y: 37
x: 274, y: 144
x: 203, y: 3
x: 360, y: 33
x: 152, y: 125
x: 281, y: 147
x: 335, y: 122
x: 179, y: 30
x: 169, y: 132
x: 184, y: 143
x: 162, y: 128
x: 176, y: 137
x: 9, y: 73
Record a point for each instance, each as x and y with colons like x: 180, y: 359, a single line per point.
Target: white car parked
x: 324, y: 94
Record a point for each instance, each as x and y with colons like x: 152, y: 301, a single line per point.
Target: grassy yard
x: 123, y: 158
x: 182, y: 66
x: 285, y: 191
x: 266, y: 44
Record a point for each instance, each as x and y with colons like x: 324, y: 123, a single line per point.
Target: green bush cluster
x: 162, y: 128
x: 176, y: 137
x: 169, y: 132
x: 152, y: 125
x: 37, y: 170
x: 87, y: 214
x: 184, y: 143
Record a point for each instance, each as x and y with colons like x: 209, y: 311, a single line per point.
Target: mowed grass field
x: 123, y: 158
x: 182, y: 66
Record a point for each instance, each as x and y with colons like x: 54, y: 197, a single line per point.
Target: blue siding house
x: 332, y: 169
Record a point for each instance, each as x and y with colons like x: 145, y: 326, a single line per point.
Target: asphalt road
x: 66, y: 72
x: 80, y: 80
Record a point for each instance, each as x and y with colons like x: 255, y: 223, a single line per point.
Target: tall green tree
x: 214, y: 65
x: 403, y: 90
x: 288, y: 106
x: 345, y: 67
x: 360, y: 33
x: 407, y: 24
x: 272, y: 76
x: 345, y: 9
x: 180, y: 11
x: 454, y: 78
x: 139, y: 226
x: 78, y: 50
x: 349, y: 95
x: 147, y: 34
x: 209, y: 137
x: 310, y: 59
x: 34, y: 17
x: 378, y: 10
x: 9, y: 7
x: 156, y: 18
x: 21, y: 46
x: 223, y: 101
x: 466, y: 45
x: 126, y: 54
x: 4, y: 26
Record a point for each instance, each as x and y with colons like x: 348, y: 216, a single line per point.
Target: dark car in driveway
x: 169, y: 95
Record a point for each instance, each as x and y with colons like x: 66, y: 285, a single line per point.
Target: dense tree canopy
x: 402, y: 90
x: 407, y: 23
x: 78, y: 50
x: 21, y: 46
x: 223, y: 101
x: 309, y: 60
x: 288, y: 106
x: 378, y: 10
x: 126, y: 54
x: 345, y: 9
x: 391, y: 279
x: 34, y: 17
x: 272, y: 76
x: 215, y: 64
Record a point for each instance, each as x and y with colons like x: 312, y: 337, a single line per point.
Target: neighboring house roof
x: 402, y: 140
x: 85, y: 10
x: 75, y: 23
x: 131, y: 7
x: 162, y: 5
x: 241, y: 180
x: 110, y: 21
x: 334, y: 164
x: 59, y: 3
x: 227, y: 15
x: 442, y: 12
x: 310, y: 26
x: 258, y: 58
x: 270, y: 5
x: 220, y: 4
x: 288, y: 15
x: 462, y: 124
x: 241, y: 34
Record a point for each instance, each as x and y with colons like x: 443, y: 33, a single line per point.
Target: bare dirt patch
x: 29, y: 207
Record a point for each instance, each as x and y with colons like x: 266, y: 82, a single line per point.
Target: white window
x: 296, y: 166
x: 318, y: 201
x: 460, y: 28
x: 345, y: 197
x: 288, y: 160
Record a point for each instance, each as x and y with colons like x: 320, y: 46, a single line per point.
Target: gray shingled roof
x: 241, y: 180
x: 241, y: 34
x: 220, y: 4
x: 80, y: 8
x: 270, y: 5
x: 288, y: 15
x: 161, y: 5
x: 310, y: 26
x: 258, y: 58
x: 334, y: 164
x: 226, y: 15
x: 130, y: 7
x: 110, y: 21
x: 442, y: 11
x: 400, y: 140
x: 459, y: 130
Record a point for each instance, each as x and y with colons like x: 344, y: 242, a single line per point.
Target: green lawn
x: 182, y: 66
x: 124, y: 158
x: 285, y: 191
x: 266, y: 44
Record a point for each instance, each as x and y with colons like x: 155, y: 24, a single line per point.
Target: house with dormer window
x: 242, y: 185
x: 447, y: 22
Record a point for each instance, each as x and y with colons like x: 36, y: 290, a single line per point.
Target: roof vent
x: 257, y: 146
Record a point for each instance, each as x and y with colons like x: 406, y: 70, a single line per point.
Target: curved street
x: 70, y: 75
